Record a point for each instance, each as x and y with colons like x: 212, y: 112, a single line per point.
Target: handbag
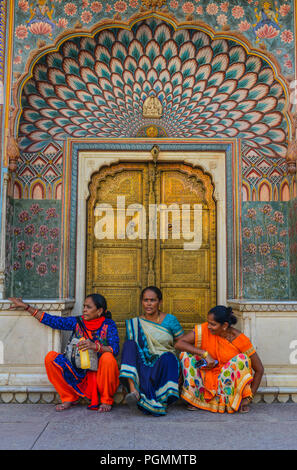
x: 72, y: 351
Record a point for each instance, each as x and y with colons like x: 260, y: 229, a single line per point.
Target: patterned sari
x: 222, y: 388
x: 149, y: 359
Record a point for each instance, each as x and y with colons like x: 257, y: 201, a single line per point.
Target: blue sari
x: 148, y: 358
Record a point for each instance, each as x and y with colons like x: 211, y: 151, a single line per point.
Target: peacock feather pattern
x: 208, y: 88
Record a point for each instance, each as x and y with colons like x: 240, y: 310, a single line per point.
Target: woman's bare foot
x: 244, y: 407
x: 104, y: 408
x: 132, y: 398
x: 66, y: 405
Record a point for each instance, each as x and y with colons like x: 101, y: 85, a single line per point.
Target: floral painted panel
x: 293, y: 247
x: 269, y: 24
x: 265, y: 251
x: 35, y: 235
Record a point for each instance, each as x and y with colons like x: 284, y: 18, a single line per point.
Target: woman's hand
x: 86, y: 344
x: 210, y: 362
x: 17, y: 303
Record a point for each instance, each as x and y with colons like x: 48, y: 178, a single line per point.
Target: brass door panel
x: 119, y: 267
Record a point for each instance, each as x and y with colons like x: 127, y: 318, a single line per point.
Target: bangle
x: 35, y: 313
x: 98, y: 346
x: 204, y: 355
x: 28, y: 306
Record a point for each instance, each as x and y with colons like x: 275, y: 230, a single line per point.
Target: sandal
x: 66, y: 405
x: 132, y: 398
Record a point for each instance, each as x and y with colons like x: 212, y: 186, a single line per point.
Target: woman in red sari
x: 226, y: 382
x: 99, y: 333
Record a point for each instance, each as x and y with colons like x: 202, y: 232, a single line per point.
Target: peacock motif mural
x: 95, y: 87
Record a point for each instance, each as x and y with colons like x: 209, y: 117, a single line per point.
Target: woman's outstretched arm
x: 58, y: 323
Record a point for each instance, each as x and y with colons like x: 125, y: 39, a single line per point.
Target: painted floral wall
x: 293, y: 246
x: 270, y: 27
x: 34, y: 249
x: 265, y: 251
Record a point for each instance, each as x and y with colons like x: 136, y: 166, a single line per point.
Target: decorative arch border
x: 128, y: 25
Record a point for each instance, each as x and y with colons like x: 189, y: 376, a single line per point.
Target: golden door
x: 152, y: 224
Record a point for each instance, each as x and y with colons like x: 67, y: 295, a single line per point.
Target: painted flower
x: 247, y: 232
x: 259, y: 268
x: 43, y: 230
x: 264, y: 249
x: 199, y: 10
x: 267, y: 32
x: 279, y: 246
x: 37, y: 249
x: 50, y: 213
x: 174, y: 4
x: 54, y: 232
x: 29, y: 264
x: 54, y: 268
x: 278, y: 217
x: 17, y: 231
x: 23, y: 5
x: 29, y: 229
x: 16, y: 266
x: 251, y: 214
x: 244, y: 26
x: 21, y: 31
x: 108, y: 8
x: 42, y: 269
x: 21, y: 246
x: 24, y: 216
x: 70, y: 9
x: 85, y: 3
x: 266, y: 209
x: 284, y: 264
x: 212, y: 9
x: 272, y: 264
x: 283, y: 233
x: 86, y: 17
x: 17, y: 60
x: 258, y: 231
x: 287, y: 36
x: 50, y: 249
x: 96, y: 7
x: 134, y: 3
x: 62, y: 23
x: 284, y: 9
x: 251, y: 248
x: 35, y: 209
x: 222, y: 19
x: 41, y: 28
x: 272, y: 229
x: 188, y: 7
x: 224, y: 6
x: 288, y: 64
x: 120, y: 6
x: 237, y: 12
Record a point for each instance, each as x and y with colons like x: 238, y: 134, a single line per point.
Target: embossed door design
x: 137, y: 250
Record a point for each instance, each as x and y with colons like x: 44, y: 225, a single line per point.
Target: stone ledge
x: 262, y: 306
x: 48, y: 395
x: 44, y: 305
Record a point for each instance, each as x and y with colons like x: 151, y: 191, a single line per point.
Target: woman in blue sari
x: 149, y: 367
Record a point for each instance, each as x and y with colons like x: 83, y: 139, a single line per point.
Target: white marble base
x: 24, y: 344
x: 272, y: 328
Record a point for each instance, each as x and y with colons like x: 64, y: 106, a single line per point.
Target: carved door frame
x: 213, y: 164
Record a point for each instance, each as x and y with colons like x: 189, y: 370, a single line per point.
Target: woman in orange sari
x: 225, y: 381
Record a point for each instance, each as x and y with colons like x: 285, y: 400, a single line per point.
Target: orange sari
x: 223, y: 387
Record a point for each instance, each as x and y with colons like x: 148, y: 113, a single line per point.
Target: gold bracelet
x: 205, y: 354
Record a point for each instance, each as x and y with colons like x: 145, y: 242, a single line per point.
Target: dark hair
x: 155, y: 289
x: 223, y: 315
x: 100, y: 302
